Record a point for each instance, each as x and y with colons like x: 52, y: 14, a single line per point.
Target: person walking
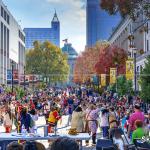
x: 137, y: 115
x: 92, y: 115
x: 104, y: 122
x: 8, y: 120
x: 77, y: 119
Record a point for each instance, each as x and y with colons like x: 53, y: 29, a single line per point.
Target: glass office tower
x: 44, y: 34
x: 99, y: 24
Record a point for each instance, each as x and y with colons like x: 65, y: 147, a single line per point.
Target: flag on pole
x: 130, y: 69
x: 65, y: 40
x: 113, y: 73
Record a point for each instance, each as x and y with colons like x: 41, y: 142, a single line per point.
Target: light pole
x: 116, y: 64
x: 134, y: 52
x: 135, y: 77
x: 12, y: 81
x: 33, y: 79
x: 24, y: 79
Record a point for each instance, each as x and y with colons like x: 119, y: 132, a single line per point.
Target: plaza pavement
x: 63, y: 123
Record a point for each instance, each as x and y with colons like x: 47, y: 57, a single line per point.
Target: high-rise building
x: 99, y: 24
x: 44, y: 34
x: 12, y: 46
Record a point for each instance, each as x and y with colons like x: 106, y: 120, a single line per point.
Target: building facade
x: 44, y: 34
x: 141, y: 42
x: 12, y: 45
x: 99, y: 24
x: 72, y: 55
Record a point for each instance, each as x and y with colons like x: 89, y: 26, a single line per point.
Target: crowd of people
x: 88, y: 112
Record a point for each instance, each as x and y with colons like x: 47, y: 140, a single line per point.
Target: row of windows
x: 21, y: 36
x: 21, y: 54
x: 4, y: 15
x: 4, y: 39
x: 4, y: 53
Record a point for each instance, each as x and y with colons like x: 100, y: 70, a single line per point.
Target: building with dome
x: 44, y: 34
x: 72, y: 55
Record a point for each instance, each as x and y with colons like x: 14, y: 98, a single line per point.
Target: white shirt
x: 7, y: 120
x: 104, y: 120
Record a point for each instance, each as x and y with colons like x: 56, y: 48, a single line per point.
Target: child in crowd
x: 139, y: 132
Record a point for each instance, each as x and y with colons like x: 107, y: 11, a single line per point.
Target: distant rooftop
x: 68, y: 49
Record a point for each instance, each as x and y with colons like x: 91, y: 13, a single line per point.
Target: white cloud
x: 72, y: 18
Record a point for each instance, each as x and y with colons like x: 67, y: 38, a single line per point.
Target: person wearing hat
x: 137, y: 115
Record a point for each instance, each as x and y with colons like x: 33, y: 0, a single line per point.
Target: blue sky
x: 39, y: 13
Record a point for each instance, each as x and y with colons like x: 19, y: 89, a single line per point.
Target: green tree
x: 124, y: 86
x: 47, y: 60
x: 145, y: 81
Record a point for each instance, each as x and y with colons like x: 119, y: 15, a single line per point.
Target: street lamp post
x: 134, y: 51
x: 32, y: 79
x: 24, y: 79
x: 12, y: 81
x: 116, y: 63
x: 135, y: 77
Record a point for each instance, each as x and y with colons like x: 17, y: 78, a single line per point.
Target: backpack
x: 32, y: 124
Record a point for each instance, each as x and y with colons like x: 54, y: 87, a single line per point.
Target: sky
x: 39, y: 13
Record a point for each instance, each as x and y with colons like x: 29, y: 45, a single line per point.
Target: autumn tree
x: 111, y: 57
x: 47, y: 60
x: 85, y: 63
x: 126, y: 7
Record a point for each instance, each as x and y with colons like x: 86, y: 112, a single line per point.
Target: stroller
x: 142, y: 144
x: 125, y: 140
x: 109, y: 144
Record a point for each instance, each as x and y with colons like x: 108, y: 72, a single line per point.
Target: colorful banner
x: 15, y: 75
x: 113, y: 74
x: 95, y: 79
x: 103, y: 79
x: 9, y: 75
x: 130, y: 69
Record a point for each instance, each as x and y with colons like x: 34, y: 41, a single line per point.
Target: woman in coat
x: 77, y: 119
x: 8, y: 120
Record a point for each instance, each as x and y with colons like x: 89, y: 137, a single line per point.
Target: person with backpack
x: 25, y: 120
x: 34, y: 118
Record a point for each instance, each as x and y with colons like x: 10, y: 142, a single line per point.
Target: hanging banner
x: 103, y: 79
x: 130, y: 69
x: 9, y: 75
x: 113, y: 73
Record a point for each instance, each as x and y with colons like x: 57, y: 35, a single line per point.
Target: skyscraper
x: 99, y: 24
x: 44, y: 34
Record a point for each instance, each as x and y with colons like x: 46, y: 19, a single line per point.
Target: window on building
x: 130, y: 28
x: 2, y: 37
x: 147, y: 47
x: 5, y: 15
x: 7, y: 18
x: 147, y: 27
x: 8, y: 43
x: 5, y: 40
x: 2, y: 11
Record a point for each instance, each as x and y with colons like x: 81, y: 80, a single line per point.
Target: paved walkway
x: 41, y: 121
